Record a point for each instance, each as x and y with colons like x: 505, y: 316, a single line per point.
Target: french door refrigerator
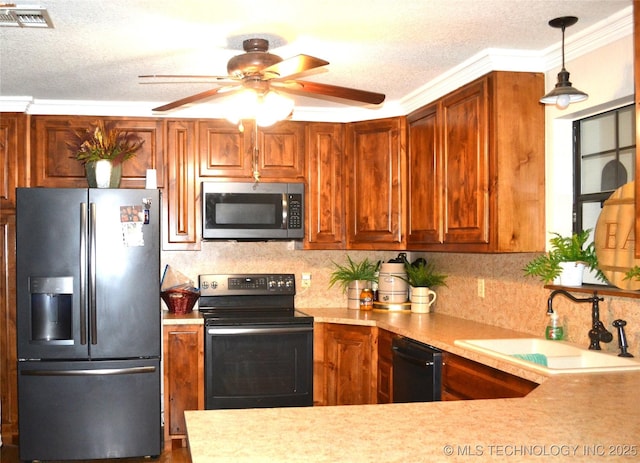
x: 88, y: 323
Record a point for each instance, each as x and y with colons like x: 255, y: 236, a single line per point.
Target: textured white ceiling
x: 97, y: 48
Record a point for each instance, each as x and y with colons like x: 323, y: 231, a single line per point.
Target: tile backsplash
x: 511, y: 300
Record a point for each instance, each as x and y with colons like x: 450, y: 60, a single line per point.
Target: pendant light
x: 564, y: 93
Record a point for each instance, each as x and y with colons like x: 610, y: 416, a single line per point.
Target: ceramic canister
x: 391, y: 286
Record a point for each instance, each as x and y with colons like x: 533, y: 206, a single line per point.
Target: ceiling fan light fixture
x: 265, y: 109
x: 563, y: 94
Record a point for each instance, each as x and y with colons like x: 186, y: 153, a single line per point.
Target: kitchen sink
x: 550, y: 357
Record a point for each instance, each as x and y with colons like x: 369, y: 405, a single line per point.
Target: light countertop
x: 589, y: 417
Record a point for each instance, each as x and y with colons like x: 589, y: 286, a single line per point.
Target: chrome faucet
x: 598, y: 333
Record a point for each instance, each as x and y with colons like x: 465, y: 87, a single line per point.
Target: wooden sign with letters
x: 615, y: 237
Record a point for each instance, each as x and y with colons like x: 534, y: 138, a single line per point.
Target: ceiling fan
x: 261, y: 71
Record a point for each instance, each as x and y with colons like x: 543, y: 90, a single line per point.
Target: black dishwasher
x: 417, y: 371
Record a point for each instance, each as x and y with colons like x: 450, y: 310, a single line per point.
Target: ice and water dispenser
x: 51, y: 307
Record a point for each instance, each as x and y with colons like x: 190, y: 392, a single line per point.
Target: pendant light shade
x: 563, y: 93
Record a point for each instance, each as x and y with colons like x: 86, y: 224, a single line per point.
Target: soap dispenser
x: 554, y: 329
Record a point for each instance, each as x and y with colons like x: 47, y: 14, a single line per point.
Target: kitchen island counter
x: 584, y: 416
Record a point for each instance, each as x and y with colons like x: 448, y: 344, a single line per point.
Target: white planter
x: 353, y: 293
x: 572, y: 273
x: 421, y: 299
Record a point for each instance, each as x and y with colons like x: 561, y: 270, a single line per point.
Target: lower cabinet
x: 385, y: 367
x: 183, y: 354
x: 353, y: 365
x: 344, y: 364
x: 464, y: 379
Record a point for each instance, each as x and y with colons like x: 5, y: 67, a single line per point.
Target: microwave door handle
x: 285, y: 210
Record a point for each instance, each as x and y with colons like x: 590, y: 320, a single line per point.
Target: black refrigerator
x: 88, y: 323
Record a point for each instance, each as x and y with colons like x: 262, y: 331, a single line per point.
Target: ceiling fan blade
x: 180, y: 79
x: 304, y: 86
x: 294, y: 65
x: 189, y: 99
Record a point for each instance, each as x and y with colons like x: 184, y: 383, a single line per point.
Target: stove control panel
x: 247, y: 284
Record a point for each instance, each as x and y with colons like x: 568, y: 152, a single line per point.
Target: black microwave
x: 252, y: 211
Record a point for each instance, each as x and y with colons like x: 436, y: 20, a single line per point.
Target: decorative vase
x: 103, y: 174
x: 572, y: 273
x: 421, y: 299
x: 353, y: 293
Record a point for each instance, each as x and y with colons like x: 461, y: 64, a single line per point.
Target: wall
x: 511, y: 300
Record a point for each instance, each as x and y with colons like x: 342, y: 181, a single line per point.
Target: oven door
x: 258, y: 365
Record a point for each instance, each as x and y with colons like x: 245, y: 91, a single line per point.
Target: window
x: 604, y: 159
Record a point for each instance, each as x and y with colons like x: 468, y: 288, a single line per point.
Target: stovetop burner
x: 247, y: 298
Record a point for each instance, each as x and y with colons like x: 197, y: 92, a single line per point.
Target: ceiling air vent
x: 12, y: 15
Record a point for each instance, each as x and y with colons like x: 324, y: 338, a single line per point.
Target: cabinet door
x: 349, y: 375
x: 466, y: 174
x: 424, y: 214
x: 183, y: 378
x: 54, y: 165
x: 325, y: 194
x: 464, y: 379
x: 376, y: 151
x: 13, y: 159
x: 385, y: 367
x: 281, y: 151
x: 8, y: 359
x: 275, y: 152
x: 223, y: 152
x: 180, y: 205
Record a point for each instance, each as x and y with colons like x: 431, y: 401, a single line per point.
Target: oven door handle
x: 254, y: 330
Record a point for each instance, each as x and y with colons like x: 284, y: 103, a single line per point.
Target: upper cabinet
x: 179, y: 201
x: 476, y: 168
x: 13, y: 152
x: 325, y: 224
x: 375, y: 183
x: 54, y: 165
x: 275, y: 152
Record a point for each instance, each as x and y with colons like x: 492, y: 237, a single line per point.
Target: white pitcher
x: 421, y: 299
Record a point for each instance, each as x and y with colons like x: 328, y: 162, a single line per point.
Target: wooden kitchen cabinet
x: 226, y: 152
x: 13, y: 158
x: 183, y: 354
x: 385, y: 367
x: 345, y: 359
x: 464, y: 379
x: 8, y: 346
x: 325, y: 224
x: 54, y: 165
x: 476, y: 168
x: 376, y: 152
x: 13, y: 173
x: 180, y: 200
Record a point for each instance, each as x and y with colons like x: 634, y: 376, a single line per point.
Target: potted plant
x: 567, y: 259
x: 353, y: 277
x: 422, y: 278
x: 102, y: 148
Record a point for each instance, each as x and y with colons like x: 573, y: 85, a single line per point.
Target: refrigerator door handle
x: 83, y: 273
x: 98, y: 372
x: 92, y: 274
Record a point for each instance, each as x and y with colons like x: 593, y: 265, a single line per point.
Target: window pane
x: 598, y: 135
x: 590, y: 214
x: 593, y: 172
x: 627, y: 127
